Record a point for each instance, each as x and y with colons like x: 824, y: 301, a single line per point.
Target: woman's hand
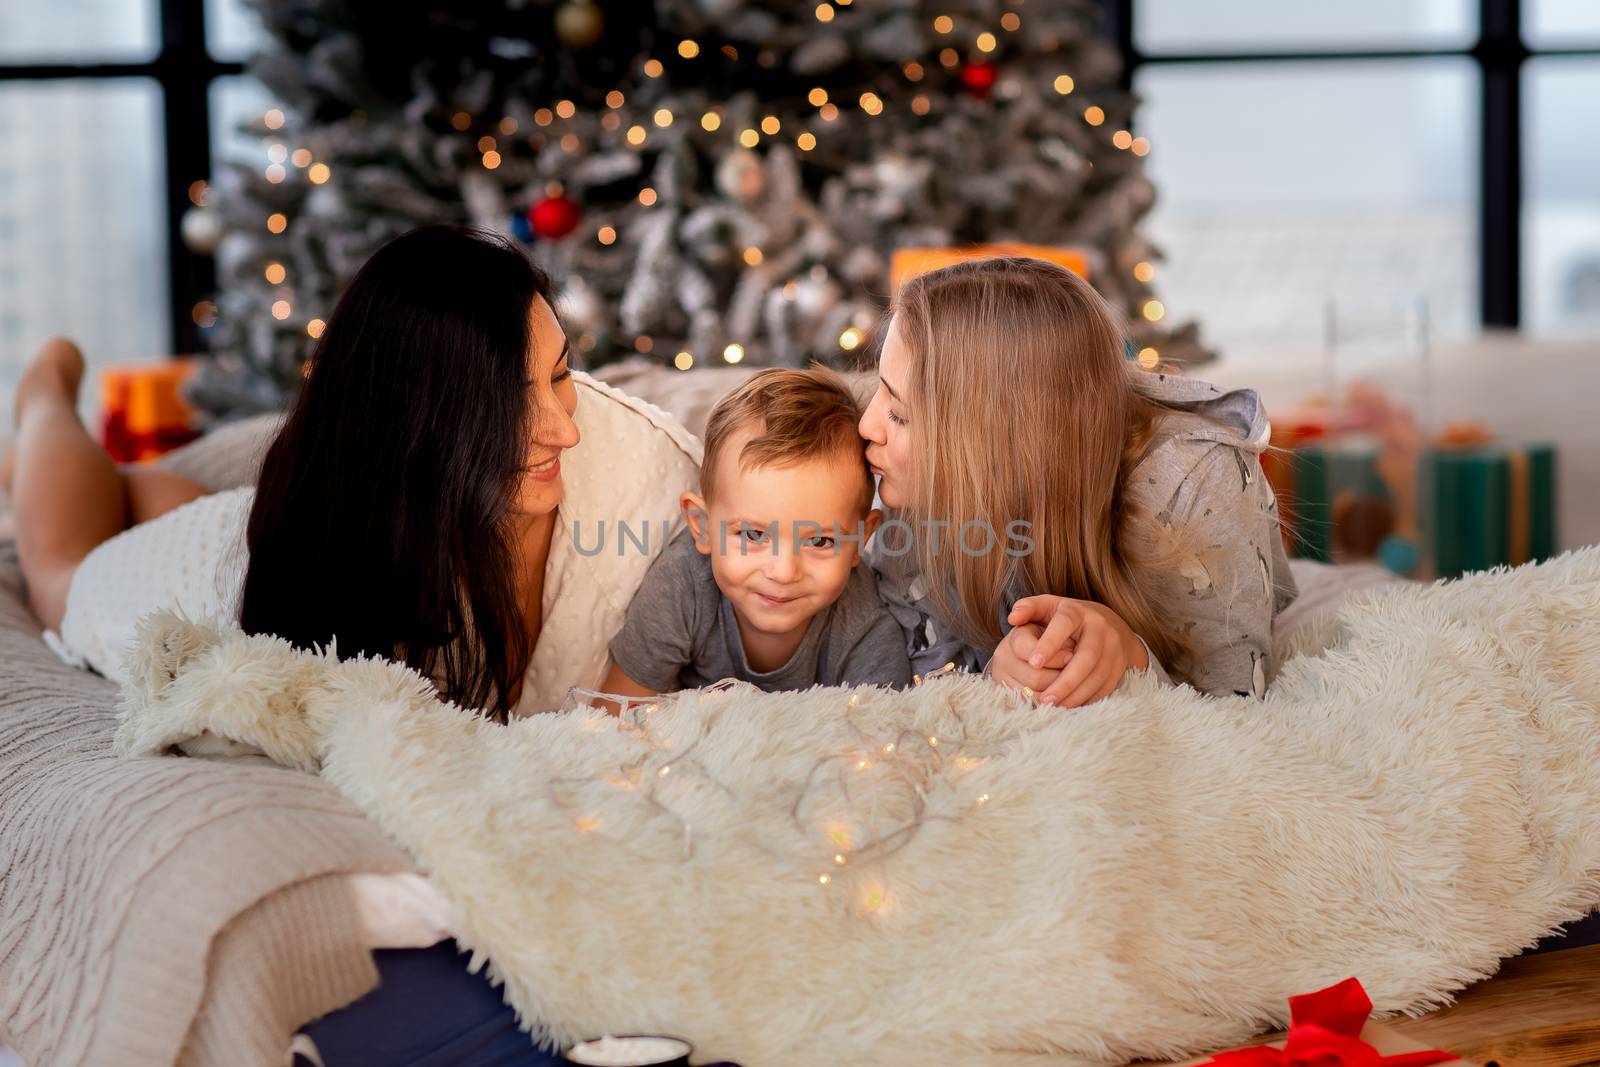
x: 1010, y: 664
x: 1100, y: 648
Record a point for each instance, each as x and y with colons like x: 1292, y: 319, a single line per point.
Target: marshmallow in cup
x: 638, y: 1051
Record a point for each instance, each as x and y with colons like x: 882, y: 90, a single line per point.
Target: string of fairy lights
x: 568, y: 125
x: 854, y: 810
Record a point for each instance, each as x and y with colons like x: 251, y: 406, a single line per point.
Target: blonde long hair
x: 1025, y: 410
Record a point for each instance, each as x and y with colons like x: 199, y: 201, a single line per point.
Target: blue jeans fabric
x: 427, y: 1011
x: 1576, y: 934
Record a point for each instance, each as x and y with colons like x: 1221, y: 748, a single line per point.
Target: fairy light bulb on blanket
x: 873, y: 899
x: 850, y: 850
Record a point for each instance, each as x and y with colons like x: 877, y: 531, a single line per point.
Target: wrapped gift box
x: 1490, y: 505
x: 1383, y: 1039
x: 1481, y: 505
x: 143, y: 412
x: 1334, y: 505
x: 907, y: 263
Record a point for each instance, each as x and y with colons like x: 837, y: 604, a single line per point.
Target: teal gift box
x: 1480, y: 507
x: 1338, y: 508
x: 1489, y: 505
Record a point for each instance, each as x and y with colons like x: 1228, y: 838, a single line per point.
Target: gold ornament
x: 579, y: 23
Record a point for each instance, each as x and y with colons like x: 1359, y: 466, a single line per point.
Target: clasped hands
x: 1066, y: 652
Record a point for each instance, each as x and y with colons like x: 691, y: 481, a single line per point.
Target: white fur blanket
x: 1150, y: 876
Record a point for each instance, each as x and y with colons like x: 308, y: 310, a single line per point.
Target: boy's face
x: 773, y: 535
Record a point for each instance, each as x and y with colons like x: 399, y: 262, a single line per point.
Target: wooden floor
x: 1539, y: 1011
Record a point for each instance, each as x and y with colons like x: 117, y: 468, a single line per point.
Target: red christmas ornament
x: 554, y: 217
x: 979, y: 79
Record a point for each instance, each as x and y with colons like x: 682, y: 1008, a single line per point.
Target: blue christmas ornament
x: 521, y: 228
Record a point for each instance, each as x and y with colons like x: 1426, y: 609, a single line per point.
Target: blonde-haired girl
x: 1057, y: 512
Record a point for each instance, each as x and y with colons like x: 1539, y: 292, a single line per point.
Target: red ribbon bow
x: 1325, y: 1031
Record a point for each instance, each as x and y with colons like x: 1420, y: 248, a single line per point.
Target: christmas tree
x: 706, y: 179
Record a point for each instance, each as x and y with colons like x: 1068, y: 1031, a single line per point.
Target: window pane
x: 1269, y: 25
x: 41, y: 31
x: 1561, y: 207
x: 1561, y: 23
x: 233, y: 29
x: 1285, y: 186
x: 82, y: 223
x: 236, y: 101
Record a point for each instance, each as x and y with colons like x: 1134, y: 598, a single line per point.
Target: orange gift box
x: 907, y: 263
x: 143, y: 412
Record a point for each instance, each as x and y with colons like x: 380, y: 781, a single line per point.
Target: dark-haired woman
x: 425, y: 499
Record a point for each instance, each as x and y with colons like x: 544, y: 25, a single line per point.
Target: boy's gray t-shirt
x: 681, y: 633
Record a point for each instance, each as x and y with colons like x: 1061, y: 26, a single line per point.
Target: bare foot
x: 55, y: 373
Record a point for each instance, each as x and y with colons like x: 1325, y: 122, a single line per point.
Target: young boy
x: 766, y: 583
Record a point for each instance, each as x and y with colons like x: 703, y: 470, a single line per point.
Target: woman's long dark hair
x: 381, y: 518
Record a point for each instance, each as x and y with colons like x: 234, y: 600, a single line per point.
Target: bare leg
x: 65, y: 489
x: 152, y: 492
x: 67, y: 493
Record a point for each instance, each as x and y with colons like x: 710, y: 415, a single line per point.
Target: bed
x: 190, y: 912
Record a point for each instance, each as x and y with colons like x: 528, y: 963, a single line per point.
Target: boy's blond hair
x: 797, y: 415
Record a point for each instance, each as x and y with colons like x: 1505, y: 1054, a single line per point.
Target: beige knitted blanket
x: 123, y: 881
x: 944, y: 875
x: 162, y: 911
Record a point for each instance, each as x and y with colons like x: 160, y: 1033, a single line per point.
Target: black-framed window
x: 1368, y: 155
x: 104, y: 129
x: 1482, y: 130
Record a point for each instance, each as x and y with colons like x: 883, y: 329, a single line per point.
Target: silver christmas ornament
x: 202, y: 230
x: 741, y: 176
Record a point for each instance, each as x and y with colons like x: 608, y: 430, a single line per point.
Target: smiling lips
x: 546, y: 470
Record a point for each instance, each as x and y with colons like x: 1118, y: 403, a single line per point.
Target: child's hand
x: 1101, y: 647
x: 618, y: 682
x: 1010, y: 664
